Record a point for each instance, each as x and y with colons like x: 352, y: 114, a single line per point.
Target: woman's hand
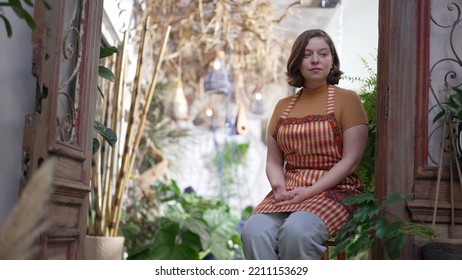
x: 295, y: 196
x: 280, y: 193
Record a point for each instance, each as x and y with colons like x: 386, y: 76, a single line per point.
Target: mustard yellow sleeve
x: 277, y: 112
x: 352, y: 110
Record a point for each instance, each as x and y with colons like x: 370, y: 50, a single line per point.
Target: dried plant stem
x: 116, y: 115
x: 440, y: 171
x: 128, y: 148
x: 144, y: 115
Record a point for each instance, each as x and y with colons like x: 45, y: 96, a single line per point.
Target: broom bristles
x: 23, y: 227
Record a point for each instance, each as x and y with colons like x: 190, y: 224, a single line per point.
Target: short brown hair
x: 294, y: 76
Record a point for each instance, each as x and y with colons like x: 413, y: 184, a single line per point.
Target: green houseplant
x: 191, y: 227
x: 372, y: 222
x: 368, y: 95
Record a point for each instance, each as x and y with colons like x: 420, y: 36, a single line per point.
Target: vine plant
x: 20, y: 12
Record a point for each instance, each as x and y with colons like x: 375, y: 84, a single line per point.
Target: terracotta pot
x: 104, y: 247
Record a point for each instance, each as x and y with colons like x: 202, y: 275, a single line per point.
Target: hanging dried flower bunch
x: 243, y: 29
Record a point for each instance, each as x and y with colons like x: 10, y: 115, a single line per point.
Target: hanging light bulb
x: 209, y: 112
x: 180, y: 104
x: 217, y: 63
x: 257, y: 105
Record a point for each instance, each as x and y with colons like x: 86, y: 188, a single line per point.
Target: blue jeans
x: 284, y: 236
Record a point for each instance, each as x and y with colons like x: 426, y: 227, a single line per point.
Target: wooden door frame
x: 402, y: 81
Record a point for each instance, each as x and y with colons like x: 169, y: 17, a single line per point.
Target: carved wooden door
x: 65, y: 63
x: 419, y: 50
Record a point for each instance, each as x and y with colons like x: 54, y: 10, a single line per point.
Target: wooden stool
x: 331, y: 243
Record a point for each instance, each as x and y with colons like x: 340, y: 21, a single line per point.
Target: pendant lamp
x: 179, y: 104
x: 216, y: 79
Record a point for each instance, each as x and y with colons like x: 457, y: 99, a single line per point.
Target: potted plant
x: 113, y: 167
x: 98, y: 245
x: 451, y: 116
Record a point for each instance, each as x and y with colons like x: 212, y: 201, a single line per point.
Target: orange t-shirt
x: 349, y: 110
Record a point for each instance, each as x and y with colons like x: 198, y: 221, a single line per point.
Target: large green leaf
x: 189, y: 220
x: 221, y: 224
x: 9, y: 30
x: 140, y: 253
x: 386, y: 230
x: 96, y: 145
x: 23, y: 14
x: 107, y: 51
x: 108, y: 134
x: 106, y: 73
x: 394, y: 246
x: 453, y: 106
x: 172, y: 243
x: 393, y: 198
x: 363, y: 243
x: 29, y: 3
x: 359, y: 198
x: 366, y: 212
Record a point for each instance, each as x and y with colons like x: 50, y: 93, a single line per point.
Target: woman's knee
x: 304, y: 226
x: 254, y: 227
x: 262, y: 225
x: 302, y: 237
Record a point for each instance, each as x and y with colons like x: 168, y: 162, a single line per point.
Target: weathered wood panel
x: 65, y: 63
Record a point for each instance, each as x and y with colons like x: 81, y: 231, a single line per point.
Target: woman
x: 316, y: 140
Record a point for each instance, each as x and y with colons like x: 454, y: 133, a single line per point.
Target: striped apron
x: 312, y: 145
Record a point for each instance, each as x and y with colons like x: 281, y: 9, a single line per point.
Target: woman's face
x: 316, y: 62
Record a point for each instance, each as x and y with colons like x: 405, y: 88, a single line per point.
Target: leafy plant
x: 140, y: 218
x: 19, y: 10
x: 453, y: 106
x: 368, y: 95
x: 107, y: 133
x: 228, y: 158
x: 191, y: 227
x: 372, y: 222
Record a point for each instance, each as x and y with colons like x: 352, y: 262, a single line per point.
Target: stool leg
x: 325, y: 256
x: 341, y: 256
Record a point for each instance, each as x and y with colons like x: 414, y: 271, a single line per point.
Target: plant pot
x: 104, y: 247
x: 442, y: 249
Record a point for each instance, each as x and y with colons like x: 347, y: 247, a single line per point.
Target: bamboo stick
x: 105, y: 147
x: 440, y: 171
x: 98, y: 194
x: 112, y: 160
x: 144, y: 114
x: 122, y: 173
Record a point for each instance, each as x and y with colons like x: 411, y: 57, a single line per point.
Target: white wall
x: 355, y: 32
x: 353, y: 25
x: 17, y: 95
